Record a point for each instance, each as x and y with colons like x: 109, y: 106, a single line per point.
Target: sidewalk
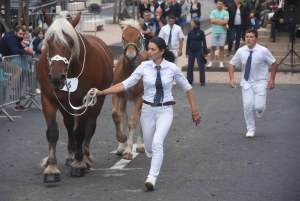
x: 113, y: 34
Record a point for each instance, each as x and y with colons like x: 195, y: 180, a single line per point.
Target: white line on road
x: 122, y: 163
x: 11, y: 116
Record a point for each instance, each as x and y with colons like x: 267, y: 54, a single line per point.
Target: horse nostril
x: 63, y: 76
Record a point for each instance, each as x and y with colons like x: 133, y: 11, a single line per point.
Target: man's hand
x: 26, y: 49
x: 187, y: 56
x: 179, y: 52
x: 271, y: 84
x: 281, y: 21
x: 232, y: 84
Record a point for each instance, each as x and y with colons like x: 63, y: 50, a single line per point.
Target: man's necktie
x: 159, y: 96
x: 248, y: 66
x: 170, y: 36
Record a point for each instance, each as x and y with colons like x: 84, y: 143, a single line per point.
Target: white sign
x: 72, y: 84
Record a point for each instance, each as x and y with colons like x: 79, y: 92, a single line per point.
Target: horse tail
x: 61, y: 127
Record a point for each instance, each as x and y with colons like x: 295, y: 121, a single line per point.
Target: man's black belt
x: 160, y: 104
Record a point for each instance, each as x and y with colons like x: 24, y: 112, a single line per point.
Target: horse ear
x: 48, y: 19
x: 142, y: 23
x: 120, y: 23
x: 76, y: 20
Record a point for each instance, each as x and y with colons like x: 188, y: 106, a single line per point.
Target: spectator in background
x: 159, y: 20
x: 10, y: 44
x: 219, y: 18
x: 148, y: 28
x: 237, y: 23
x: 173, y: 37
x: 279, y: 24
x: 196, y: 48
x: 195, y: 10
x: 160, y: 4
x: 152, y: 8
x: 253, y: 13
x: 26, y: 42
x: 268, y: 14
x: 185, y: 10
x: 169, y: 9
x: 37, y: 43
x: 144, y: 5
x: 177, y: 10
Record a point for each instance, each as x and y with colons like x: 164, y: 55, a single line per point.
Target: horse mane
x: 131, y: 23
x: 58, y: 28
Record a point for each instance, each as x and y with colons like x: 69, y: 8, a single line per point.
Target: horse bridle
x: 59, y: 58
x: 138, y: 49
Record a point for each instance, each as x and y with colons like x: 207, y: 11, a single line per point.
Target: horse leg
x: 69, y: 123
x: 117, y: 118
x: 133, y: 121
x: 90, y: 130
x: 78, y: 166
x: 140, y: 140
x: 124, y: 123
x: 51, y: 173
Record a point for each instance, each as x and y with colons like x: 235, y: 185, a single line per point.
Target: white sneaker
x: 221, y: 65
x: 260, y: 114
x: 174, y: 82
x: 150, y: 183
x: 149, y: 155
x: 209, y: 65
x: 250, y: 134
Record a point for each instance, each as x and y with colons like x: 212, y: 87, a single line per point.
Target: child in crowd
x: 26, y: 42
x: 37, y: 43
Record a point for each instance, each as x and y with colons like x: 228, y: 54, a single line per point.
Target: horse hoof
x: 69, y: 162
x: 140, y: 150
x: 127, y: 156
x: 119, y: 152
x: 51, y: 178
x: 77, y: 172
x: 88, y: 167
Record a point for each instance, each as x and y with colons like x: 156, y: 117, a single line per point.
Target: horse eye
x: 71, y: 43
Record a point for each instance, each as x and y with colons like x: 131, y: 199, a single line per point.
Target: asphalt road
x: 214, y: 161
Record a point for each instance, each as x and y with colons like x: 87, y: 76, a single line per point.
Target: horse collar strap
x: 59, y: 58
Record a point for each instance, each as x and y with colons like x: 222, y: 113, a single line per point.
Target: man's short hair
x: 17, y: 28
x: 254, y: 31
x: 220, y: 1
x: 146, y: 12
x: 172, y: 17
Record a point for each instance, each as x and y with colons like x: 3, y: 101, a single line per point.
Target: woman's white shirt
x: 147, y: 71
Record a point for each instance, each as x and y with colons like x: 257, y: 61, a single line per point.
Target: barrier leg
x: 2, y: 109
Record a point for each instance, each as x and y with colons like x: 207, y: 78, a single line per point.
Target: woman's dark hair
x: 197, y: 23
x: 161, y: 44
x: 36, y: 31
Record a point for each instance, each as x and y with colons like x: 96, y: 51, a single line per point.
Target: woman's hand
x: 98, y: 93
x: 196, y: 118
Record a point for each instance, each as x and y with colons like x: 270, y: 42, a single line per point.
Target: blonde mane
x: 131, y: 23
x: 58, y: 28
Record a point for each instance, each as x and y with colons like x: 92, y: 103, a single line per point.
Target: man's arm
x: 13, y: 46
x: 231, y: 75
x: 273, y: 73
x: 219, y: 22
x: 180, y: 47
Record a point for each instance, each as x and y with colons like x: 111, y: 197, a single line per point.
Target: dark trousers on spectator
x: 255, y: 26
x: 200, y: 59
x: 235, y: 32
x: 289, y: 27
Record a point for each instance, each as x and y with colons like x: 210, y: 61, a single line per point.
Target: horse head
x: 62, y: 46
x: 132, y: 39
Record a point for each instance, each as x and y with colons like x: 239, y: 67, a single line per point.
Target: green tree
x: 244, y: 2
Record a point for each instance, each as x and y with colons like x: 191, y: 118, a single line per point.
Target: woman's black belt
x: 159, y: 104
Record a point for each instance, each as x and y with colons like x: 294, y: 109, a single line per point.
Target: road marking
x: 11, y: 116
x: 122, y: 163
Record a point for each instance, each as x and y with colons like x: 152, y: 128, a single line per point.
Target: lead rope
x: 89, y: 100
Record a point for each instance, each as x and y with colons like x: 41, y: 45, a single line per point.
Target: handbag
x: 204, y: 59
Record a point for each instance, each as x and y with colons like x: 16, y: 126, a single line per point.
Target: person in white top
x: 157, y: 112
x: 255, y: 77
x: 173, y: 40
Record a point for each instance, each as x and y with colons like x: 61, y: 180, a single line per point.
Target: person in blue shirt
x: 158, y: 20
x: 149, y: 28
x: 10, y: 45
x: 39, y: 34
x: 196, y: 48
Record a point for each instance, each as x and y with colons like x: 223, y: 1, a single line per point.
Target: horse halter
x: 60, y: 58
x: 138, y: 49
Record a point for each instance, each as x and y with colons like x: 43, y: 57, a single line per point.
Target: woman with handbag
x: 253, y: 13
x: 196, y: 48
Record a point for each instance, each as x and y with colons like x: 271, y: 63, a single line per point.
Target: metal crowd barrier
x: 18, y: 82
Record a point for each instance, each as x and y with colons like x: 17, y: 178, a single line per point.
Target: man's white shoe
x: 260, y: 114
x: 149, y: 155
x: 150, y: 183
x: 221, y: 65
x: 209, y: 65
x: 250, y: 134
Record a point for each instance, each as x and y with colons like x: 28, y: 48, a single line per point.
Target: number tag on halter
x: 72, y: 84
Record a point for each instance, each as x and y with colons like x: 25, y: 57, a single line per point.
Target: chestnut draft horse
x: 88, y: 60
x: 133, y: 55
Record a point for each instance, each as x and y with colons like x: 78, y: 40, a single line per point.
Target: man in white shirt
x: 255, y: 80
x: 173, y: 40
